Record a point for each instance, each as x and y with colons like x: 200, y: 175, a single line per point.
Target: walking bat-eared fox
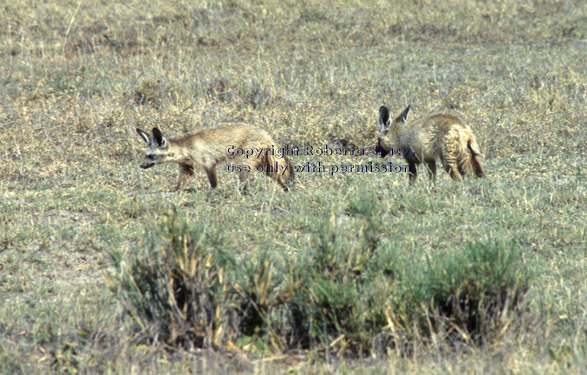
x: 252, y: 147
x: 435, y: 136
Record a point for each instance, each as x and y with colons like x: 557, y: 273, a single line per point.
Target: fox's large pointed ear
x: 158, y: 137
x: 143, y: 135
x: 404, y: 116
x: 383, y: 120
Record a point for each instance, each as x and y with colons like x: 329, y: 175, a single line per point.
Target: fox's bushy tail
x: 473, y: 148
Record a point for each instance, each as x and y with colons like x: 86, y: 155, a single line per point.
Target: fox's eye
x: 151, y: 157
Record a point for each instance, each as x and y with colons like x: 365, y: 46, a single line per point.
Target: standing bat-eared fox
x: 252, y: 147
x: 429, y: 138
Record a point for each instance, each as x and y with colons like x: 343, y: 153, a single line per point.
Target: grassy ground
x: 78, y: 77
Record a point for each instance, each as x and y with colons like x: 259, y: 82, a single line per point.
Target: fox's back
x: 211, y: 146
x: 224, y: 136
x: 426, y: 135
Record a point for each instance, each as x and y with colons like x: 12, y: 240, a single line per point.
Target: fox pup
x: 205, y: 149
x: 435, y: 136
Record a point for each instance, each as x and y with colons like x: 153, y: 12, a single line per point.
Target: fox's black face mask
x: 381, y: 150
x: 150, y: 160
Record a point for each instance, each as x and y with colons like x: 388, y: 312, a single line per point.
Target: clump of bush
x: 148, y: 93
x: 251, y: 93
x: 474, y: 294
x: 342, y: 294
x: 173, y: 289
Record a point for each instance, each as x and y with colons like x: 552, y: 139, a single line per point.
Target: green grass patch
x: 343, y: 293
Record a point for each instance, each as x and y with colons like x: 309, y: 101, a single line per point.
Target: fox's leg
x: 276, y: 175
x: 281, y: 181
x: 212, y: 177
x: 413, y: 163
x: 413, y: 170
x: 243, y: 181
x: 450, y: 155
x: 461, y: 167
x: 450, y: 166
x: 431, y: 166
x: 454, y: 173
x: 186, y: 171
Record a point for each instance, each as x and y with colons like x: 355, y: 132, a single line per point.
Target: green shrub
x: 469, y: 296
x: 177, y: 291
x: 344, y: 293
x: 345, y: 290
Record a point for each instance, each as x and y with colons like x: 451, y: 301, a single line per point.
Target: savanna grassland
x: 81, y: 225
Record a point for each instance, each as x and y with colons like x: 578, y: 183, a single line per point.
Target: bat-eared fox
x: 437, y: 136
x: 251, y: 148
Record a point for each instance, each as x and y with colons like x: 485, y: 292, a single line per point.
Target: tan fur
x: 438, y: 136
x: 207, y: 148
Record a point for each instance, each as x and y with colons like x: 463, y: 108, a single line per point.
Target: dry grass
x: 78, y: 77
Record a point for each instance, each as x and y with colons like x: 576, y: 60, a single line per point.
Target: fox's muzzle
x: 146, y: 165
x: 150, y: 160
x: 380, y: 149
